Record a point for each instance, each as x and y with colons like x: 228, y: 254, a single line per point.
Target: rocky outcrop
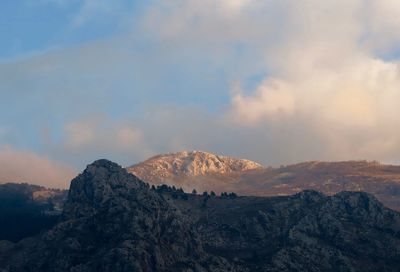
x: 112, y: 221
x: 304, y: 232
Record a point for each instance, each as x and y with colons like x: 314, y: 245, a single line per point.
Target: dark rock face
x: 112, y: 221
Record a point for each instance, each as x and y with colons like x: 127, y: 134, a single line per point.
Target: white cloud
x: 325, y: 70
x: 382, y: 25
x: 99, y: 136
x: 128, y: 137
x: 96, y: 9
x: 79, y: 134
x: 272, y: 98
x: 102, y: 132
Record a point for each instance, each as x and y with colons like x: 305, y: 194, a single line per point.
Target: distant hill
x: 208, y: 172
x: 26, y: 210
x: 113, y: 221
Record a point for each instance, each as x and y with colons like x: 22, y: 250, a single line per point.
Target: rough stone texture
x: 112, y: 221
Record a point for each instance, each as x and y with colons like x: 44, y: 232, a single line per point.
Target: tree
x: 184, y: 196
x: 194, y: 192
x: 212, y: 194
x: 233, y: 195
x: 205, y: 199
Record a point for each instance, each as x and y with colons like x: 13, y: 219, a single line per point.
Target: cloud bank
x: 23, y: 166
x: 328, y: 70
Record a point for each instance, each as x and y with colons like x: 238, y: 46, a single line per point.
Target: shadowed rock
x: 112, y: 221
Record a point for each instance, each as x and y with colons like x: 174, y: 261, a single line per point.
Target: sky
x: 277, y: 82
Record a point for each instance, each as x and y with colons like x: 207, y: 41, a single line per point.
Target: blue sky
x: 33, y: 27
x: 57, y: 33
x: 274, y: 81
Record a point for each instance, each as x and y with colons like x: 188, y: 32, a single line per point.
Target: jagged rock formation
x: 197, y: 170
x: 112, y: 221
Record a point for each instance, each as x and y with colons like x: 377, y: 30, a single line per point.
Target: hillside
x: 383, y: 181
x: 112, y: 221
x: 181, y: 167
x: 26, y: 209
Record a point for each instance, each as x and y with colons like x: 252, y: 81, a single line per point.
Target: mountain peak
x: 191, y: 163
x: 100, y: 182
x: 105, y: 163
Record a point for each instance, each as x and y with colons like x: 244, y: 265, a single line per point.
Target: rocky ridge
x: 193, y: 170
x: 112, y: 221
x: 189, y: 164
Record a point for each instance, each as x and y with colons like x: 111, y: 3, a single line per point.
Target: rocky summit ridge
x: 208, y: 172
x: 190, y: 163
x: 113, y: 221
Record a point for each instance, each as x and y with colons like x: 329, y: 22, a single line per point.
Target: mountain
x: 113, y: 221
x: 180, y: 168
x: 26, y: 210
x: 207, y: 172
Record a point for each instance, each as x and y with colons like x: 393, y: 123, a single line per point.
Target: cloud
x: 326, y: 73
x: 87, y: 11
x: 99, y: 136
x: 271, y: 99
x: 92, y: 10
x: 25, y: 166
x: 318, y: 80
x: 79, y: 134
x: 344, y: 93
x: 235, y: 5
x: 100, y: 131
x: 382, y: 26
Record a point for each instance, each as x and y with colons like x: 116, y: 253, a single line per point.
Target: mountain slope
x: 190, y: 164
x: 26, y: 210
x: 112, y: 221
x: 381, y: 180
